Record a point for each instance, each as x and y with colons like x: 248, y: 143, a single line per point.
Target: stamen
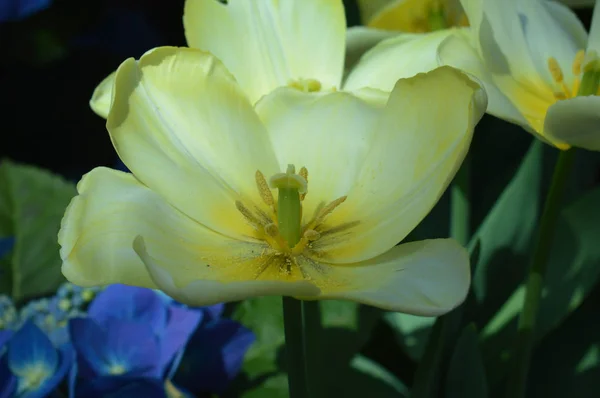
x: 329, y: 209
x: 578, y: 62
x: 263, y: 189
x: 247, y: 214
x: 311, y: 235
x: 272, y: 230
x: 555, y: 70
x: 304, y: 174
x: 557, y: 75
x: 305, y: 85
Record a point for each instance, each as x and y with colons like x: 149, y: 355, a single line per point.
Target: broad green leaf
x: 426, y: 383
x: 466, y: 375
x: 347, y: 326
x: 573, y: 270
x: 412, y: 332
x: 32, y: 203
x: 364, y: 378
x: 506, y: 234
x: 273, y: 387
x: 569, y: 356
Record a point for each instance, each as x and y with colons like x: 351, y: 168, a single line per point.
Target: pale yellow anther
x: 311, y: 235
x: 304, y: 174
x: 555, y: 70
x: 327, y: 210
x: 305, y: 85
x: 263, y: 189
x: 289, y: 179
x: 247, y: 214
x: 271, y: 230
x: 578, y: 62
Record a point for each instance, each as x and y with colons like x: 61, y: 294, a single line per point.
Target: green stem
x: 295, y: 345
x: 313, y: 333
x: 460, y: 212
x: 533, y: 289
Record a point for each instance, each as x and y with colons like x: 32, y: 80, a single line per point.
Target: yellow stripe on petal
x: 102, y: 96
x: 182, y: 125
x: 268, y: 43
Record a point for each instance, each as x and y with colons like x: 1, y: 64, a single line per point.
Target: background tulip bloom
x: 198, y: 220
x: 267, y: 44
x: 538, y: 66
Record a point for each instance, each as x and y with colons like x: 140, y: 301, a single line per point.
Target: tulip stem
x: 295, y: 346
x: 460, y: 207
x: 533, y: 289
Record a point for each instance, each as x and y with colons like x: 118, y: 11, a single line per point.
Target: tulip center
x: 585, y: 69
x: 282, y: 226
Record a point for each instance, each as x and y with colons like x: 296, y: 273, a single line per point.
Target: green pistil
x: 289, y: 208
x: 589, y: 83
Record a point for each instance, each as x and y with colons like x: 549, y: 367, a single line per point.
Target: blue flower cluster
x: 121, y: 341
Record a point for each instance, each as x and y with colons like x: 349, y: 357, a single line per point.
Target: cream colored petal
x: 402, y: 56
x: 576, y: 122
x: 267, y: 43
x: 100, y: 102
x: 420, y: 142
x: 182, y: 125
x: 552, y: 30
x: 425, y: 278
x: 457, y: 51
x: 111, y: 210
x: 198, y: 291
x: 594, y: 38
x: 329, y: 134
x: 360, y: 39
x: 498, y: 31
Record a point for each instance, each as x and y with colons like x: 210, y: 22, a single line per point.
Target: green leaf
x: 569, y: 356
x: 412, y: 332
x: 573, y: 270
x: 466, y: 376
x: 364, y: 378
x: 273, y: 387
x: 32, y: 203
x: 347, y: 327
x: 505, y: 236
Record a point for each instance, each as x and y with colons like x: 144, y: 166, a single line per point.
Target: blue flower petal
x: 212, y: 312
x: 8, y: 382
x: 67, y: 356
x: 30, y: 348
x: 214, y: 356
x: 181, y: 325
x: 116, y: 347
x: 121, y: 387
x: 5, y: 335
x: 6, y: 244
x: 129, y: 302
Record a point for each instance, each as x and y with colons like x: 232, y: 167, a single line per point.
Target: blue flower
x: 215, y: 353
x: 14, y: 10
x: 33, y: 366
x: 6, y: 244
x: 130, y: 331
